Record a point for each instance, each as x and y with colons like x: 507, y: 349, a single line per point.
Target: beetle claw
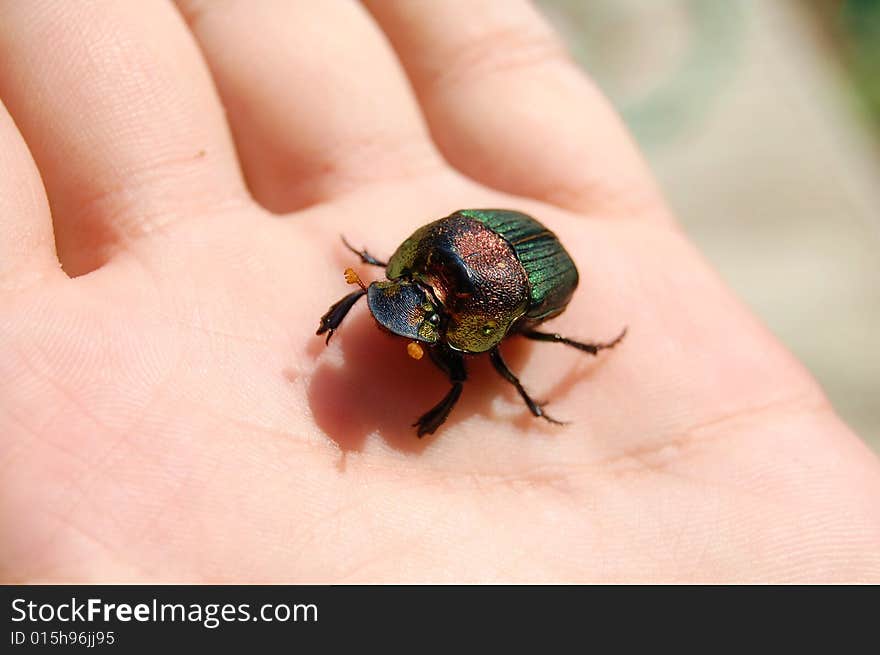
x: 544, y: 415
x: 428, y: 422
x: 424, y: 426
x: 552, y: 420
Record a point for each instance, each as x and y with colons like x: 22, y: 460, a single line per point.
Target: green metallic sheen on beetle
x: 461, y: 285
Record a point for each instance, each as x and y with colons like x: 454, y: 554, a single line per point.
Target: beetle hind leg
x: 331, y: 320
x: 366, y: 257
x: 535, y: 408
x: 592, y: 348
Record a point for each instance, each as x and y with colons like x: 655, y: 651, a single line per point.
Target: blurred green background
x: 761, y: 118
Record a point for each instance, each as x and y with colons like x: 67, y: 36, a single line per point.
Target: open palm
x: 167, y: 412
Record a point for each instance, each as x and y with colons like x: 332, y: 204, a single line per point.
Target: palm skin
x: 170, y: 414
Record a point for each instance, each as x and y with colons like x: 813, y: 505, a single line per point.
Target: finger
x: 316, y: 99
x: 506, y: 105
x: 27, y: 247
x: 120, y: 114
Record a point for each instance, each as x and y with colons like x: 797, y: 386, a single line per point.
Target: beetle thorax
x: 473, y: 273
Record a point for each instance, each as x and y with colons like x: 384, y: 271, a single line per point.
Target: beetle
x: 462, y: 284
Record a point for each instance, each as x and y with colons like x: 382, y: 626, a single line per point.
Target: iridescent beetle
x: 463, y: 283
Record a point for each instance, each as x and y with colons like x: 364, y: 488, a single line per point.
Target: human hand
x: 167, y: 413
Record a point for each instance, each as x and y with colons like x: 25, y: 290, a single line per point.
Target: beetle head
x: 405, y: 308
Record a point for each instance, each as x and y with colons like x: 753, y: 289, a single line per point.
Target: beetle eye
x: 434, y: 318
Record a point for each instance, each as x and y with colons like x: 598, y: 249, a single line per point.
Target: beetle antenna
x: 353, y: 278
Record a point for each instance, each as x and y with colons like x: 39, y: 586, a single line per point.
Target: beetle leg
x: 452, y: 364
x: 366, y: 257
x: 331, y: 320
x: 435, y: 417
x: 591, y: 348
x: 501, y: 366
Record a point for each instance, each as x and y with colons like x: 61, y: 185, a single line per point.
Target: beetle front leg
x: 452, y: 364
x: 366, y: 257
x: 331, y: 320
x: 501, y: 366
x: 591, y: 348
